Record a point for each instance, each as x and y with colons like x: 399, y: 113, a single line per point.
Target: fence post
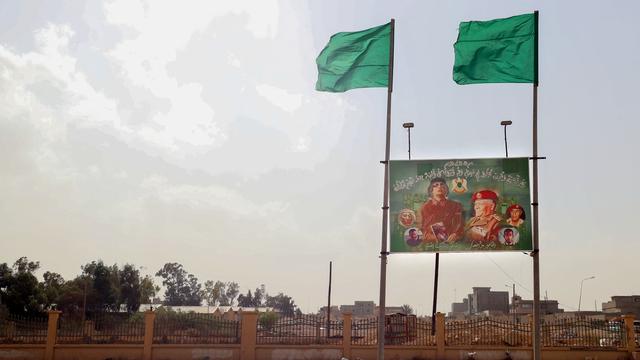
x: 630, y: 331
x: 532, y: 326
x: 440, y: 335
x: 52, y: 333
x: 346, y: 335
x: 248, y: 336
x: 149, y: 321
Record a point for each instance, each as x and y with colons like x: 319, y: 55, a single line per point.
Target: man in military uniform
x: 483, y: 226
x: 442, y: 212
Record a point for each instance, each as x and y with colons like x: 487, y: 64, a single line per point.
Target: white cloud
x: 212, y: 196
x: 280, y: 97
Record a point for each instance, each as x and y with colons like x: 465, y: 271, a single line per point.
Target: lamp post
x: 512, y: 308
x: 506, y: 123
x: 581, y: 282
x: 408, y: 126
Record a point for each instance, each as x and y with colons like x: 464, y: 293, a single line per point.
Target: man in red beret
x: 441, y: 216
x: 516, y: 215
x: 483, y: 226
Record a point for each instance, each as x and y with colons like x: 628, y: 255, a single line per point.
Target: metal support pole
x: 385, y: 207
x: 435, y: 295
x: 329, y: 304
x: 537, y: 351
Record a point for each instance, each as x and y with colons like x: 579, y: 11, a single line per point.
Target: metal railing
x: 192, y: 328
x: 583, y: 333
x: 101, y: 328
x: 364, y: 331
x: 299, y: 330
x: 485, y: 331
x: 16, y: 329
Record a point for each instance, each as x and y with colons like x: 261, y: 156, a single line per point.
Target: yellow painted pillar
x: 631, y: 336
x: 532, y: 325
x: 52, y: 333
x: 248, y: 335
x: 149, y: 321
x: 346, y: 335
x: 440, y: 335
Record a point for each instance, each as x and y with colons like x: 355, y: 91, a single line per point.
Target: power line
x: 507, y: 274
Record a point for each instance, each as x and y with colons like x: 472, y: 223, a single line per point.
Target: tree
x: 283, y: 303
x: 220, y: 292
x: 20, y: 291
x: 182, y: 288
x: 260, y: 296
x: 130, y: 287
x: 232, y: 291
x: 103, y: 286
x: 246, y: 300
x: 148, y: 290
x: 407, y: 309
x: 52, y: 288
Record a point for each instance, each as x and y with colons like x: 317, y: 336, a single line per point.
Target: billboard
x: 462, y: 205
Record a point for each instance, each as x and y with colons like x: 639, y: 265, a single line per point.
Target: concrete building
x: 547, y: 307
x: 480, y: 301
x: 622, y: 305
x: 359, y: 309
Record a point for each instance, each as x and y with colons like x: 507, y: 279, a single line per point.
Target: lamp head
x: 407, y: 125
x: 506, y: 122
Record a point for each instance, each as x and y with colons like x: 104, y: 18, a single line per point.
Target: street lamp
x: 408, y: 126
x: 512, y: 308
x: 506, y: 123
x: 581, y: 282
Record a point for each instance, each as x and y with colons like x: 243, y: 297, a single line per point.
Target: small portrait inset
x: 509, y: 236
x: 439, y: 231
x: 413, y: 237
x: 406, y: 217
x: 515, y: 215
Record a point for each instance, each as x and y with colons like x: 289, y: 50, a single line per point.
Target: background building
x: 621, y: 305
x: 482, y: 300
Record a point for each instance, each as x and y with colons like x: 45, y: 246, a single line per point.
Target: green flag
x: 353, y: 60
x: 496, y: 51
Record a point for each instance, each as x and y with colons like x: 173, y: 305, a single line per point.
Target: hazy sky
x: 148, y: 132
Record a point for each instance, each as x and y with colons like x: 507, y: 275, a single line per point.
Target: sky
x: 148, y: 132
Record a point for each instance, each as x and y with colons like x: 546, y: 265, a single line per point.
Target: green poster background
x: 454, y: 226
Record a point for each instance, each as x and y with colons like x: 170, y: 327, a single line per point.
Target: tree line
x: 112, y: 288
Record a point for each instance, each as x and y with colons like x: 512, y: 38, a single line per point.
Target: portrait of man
x: 509, y: 236
x: 406, y: 217
x: 445, y: 214
x: 413, y: 237
x: 483, y: 226
x: 516, y: 215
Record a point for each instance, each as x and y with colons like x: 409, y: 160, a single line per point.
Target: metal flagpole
x: 537, y: 355
x: 385, y: 206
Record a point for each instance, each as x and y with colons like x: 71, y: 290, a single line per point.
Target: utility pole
x: 329, y: 303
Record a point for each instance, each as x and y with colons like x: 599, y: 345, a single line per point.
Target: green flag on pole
x: 354, y: 60
x: 496, y: 51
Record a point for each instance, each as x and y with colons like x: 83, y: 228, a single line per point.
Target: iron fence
x: 193, y: 328
x: 583, y: 333
x: 424, y: 333
x: 485, y: 331
x: 298, y: 330
x: 16, y: 329
x: 364, y: 331
x: 71, y: 330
